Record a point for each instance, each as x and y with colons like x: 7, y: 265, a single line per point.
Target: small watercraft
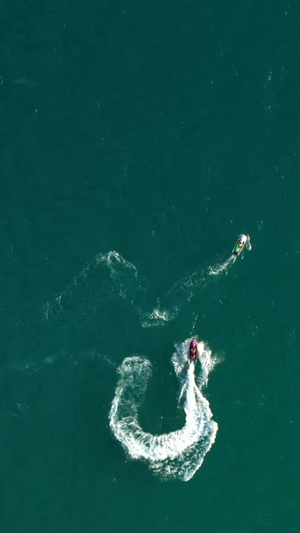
x: 193, y: 351
x: 240, y: 244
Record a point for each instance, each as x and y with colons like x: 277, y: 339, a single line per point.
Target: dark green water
x: 160, y: 130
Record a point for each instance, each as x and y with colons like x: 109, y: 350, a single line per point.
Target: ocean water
x: 138, y: 140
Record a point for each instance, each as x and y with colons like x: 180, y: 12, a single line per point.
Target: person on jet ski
x: 240, y: 243
x: 193, y: 351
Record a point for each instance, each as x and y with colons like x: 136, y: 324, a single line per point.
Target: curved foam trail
x: 125, y: 277
x: 180, y: 453
x: 124, y: 282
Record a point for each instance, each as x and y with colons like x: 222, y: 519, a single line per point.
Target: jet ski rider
x: 193, y: 351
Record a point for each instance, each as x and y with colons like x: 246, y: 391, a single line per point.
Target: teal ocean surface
x: 138, y: 140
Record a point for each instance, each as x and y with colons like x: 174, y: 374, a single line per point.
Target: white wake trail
x: 180, y: 453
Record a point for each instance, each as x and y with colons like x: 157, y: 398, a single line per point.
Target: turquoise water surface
x: 138, y: 140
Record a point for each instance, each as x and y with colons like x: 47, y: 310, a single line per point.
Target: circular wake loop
x: 178, y: 454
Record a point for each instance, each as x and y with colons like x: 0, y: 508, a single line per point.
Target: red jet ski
x: 193, y: 351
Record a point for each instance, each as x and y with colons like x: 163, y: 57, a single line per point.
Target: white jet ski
x: 240, y: 244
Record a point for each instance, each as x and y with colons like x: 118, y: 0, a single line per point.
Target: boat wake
x: 125, y: 278
x: 111, y: 275
x: 178, y: 454
x: 219, y: 268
